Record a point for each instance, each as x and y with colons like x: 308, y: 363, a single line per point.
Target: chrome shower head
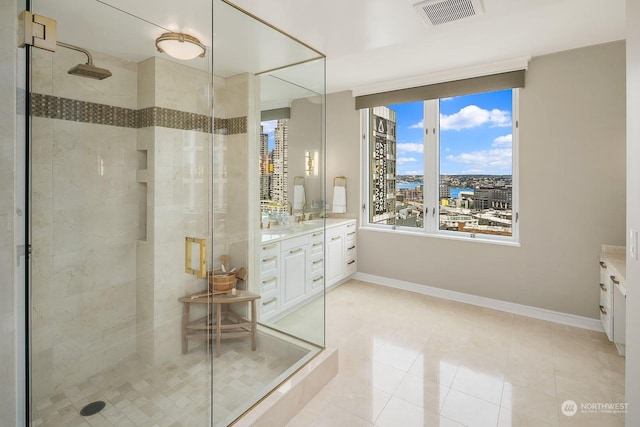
x: 91, y: 71
x: 88, y: 69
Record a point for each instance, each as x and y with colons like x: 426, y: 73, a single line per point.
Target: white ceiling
x: 366, y: 41
x: 372, y: 41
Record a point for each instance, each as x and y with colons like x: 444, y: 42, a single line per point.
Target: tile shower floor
x: 411, y: 360
x: 175, y: 393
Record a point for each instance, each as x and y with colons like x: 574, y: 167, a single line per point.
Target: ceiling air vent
x: 436, y: 12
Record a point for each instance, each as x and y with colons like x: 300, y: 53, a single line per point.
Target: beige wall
x: 633, y: 211
x: 572, y: 195
x: 8, y: 133
x: 343, y: 149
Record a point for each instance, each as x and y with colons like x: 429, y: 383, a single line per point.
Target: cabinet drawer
x: 350, y: 251
x: 294, y: 242
x: 316, y: 266
x: 269, y: 250
x: 269, y: 264
x: 351, y: 267
x: 269, y: 306
x: 350, y: 237
x: 316, y: 236
x: 315, y: 283
x: 317, y: 249
x: 269, y: 284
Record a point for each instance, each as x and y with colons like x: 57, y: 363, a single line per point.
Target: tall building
x: 383, y: 165
x: 279, y: 179
x: 264, y: 165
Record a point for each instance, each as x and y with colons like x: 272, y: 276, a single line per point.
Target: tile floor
x: 412, y: 360
x: 176, y: 393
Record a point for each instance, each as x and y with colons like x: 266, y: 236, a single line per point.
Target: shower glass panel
x: 144, y: 177
x: 262, y: 72
x: 119, y: 177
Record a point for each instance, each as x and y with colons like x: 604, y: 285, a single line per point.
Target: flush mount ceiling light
x: 180, y: 46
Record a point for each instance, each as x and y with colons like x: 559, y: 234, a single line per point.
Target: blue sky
x: 269, y: 127
x: 475, y: 135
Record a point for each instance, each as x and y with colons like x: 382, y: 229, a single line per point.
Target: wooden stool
x: 207, y: 327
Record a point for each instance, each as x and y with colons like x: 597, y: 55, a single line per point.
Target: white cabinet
x: 341, y: 252
x: 335, y: 256
x: 269, y: 288
x: 294, y: 277
x: 315, y: 263
x: 613, y: 295
x: 606, y: 292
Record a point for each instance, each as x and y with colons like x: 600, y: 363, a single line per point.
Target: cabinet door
x: 293, y: 276
x: 335, y: 259
x: 619, y: 315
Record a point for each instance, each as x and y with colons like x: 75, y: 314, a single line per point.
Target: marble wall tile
x: 182, y: 88
x: 119, y: 90
x: 146, y: 84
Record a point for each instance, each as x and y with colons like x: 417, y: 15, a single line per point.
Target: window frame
x: 431, y: 179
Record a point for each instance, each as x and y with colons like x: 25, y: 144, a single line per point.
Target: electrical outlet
x: 633, y: 244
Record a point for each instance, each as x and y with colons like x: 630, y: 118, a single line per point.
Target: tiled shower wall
x: 121, y: 175
x: 84, y: 227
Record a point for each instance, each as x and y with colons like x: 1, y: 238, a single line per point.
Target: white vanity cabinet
x: 296, y: 267
x: 613, y: 295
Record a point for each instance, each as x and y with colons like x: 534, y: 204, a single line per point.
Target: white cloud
x: 410, y: 147
x: 419, y: 125
x: 473, y: 116
x: 447, y: 149
x: 473, y: 172
x: 413, y: 172
x: 449, y: 98
x: 402, y: 160
x: 502, y: 141
x: 485, y: 159
x: 269, y: 126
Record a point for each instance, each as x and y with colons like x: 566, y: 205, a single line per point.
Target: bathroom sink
x: 275, y: 233
x: 314, y: 222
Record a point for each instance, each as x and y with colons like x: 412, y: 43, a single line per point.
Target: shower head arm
x: 79, y: 49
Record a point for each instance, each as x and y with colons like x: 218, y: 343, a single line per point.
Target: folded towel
x: 339, y: 199
x: 298, y: 196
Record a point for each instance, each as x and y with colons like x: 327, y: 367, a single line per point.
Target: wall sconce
x: 311, y: 159
x: 180, y: 46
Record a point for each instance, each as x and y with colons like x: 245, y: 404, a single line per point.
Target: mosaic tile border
x: 54, y: 107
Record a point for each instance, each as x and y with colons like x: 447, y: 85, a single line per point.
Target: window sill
x: 406, y: 232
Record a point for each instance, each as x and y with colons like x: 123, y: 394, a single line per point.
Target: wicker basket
x: 222, y: 282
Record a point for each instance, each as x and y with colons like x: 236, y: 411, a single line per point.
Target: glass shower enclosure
x: 144, y: 177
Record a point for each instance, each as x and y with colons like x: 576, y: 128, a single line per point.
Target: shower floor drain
x: 92, y: 408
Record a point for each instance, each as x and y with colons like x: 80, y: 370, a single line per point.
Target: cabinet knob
x: 602, y: 310
x: 614, y: 280
x: 603, y: 265
x: 603, y: 287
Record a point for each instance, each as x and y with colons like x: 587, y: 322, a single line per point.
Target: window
x: 273, y: 161
x: 445, y: 166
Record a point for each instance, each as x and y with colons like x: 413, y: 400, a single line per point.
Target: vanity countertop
x: 616, y: 257
x: 279, y: 232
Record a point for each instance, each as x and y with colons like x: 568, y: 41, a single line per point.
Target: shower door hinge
x: 37, y: 31
x: 22, y: 250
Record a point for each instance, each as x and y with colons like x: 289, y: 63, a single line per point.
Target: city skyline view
x: 475, y: 135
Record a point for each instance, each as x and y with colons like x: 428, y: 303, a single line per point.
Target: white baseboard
x: 509, y: 307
